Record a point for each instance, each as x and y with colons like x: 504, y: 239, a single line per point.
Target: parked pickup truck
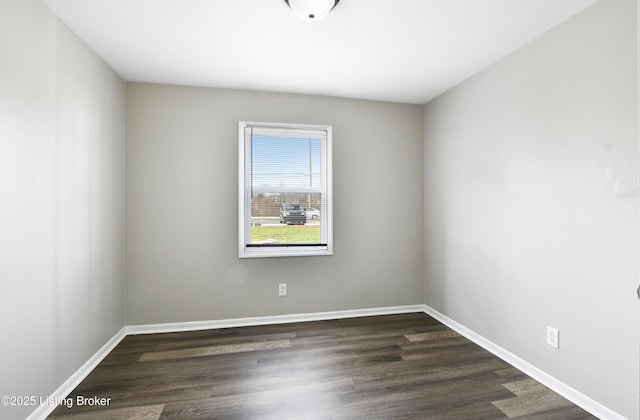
x: 292, y: 214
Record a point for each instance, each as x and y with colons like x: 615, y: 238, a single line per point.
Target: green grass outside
x: 286, y: 234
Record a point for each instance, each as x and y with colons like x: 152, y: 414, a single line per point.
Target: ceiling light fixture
x: 311, y: 9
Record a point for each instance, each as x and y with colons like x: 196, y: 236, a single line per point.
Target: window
x: 284, y: 190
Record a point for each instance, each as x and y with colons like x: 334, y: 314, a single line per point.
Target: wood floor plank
x: 511, y: 374
x: 525, y: 386
x: 431, y: 336
x: 531, y: 404
x: 214, y: 350
x: 406, y: 366
x: 532, y: 397
x: 213, y: 341
x: 148, y: 412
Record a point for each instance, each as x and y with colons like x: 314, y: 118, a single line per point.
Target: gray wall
x: 61, y: 202
x: 531, y: 203
x: 182, y: 207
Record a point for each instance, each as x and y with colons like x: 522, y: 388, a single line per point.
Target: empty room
x: 319, y: 209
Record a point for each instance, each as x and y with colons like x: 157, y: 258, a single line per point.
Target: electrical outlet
x: 553, y: 337
x: 282, y: 289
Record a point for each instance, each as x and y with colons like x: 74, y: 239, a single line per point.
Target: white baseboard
x: 544, y: 378
x: 74, y: 380
x: 268, y: 320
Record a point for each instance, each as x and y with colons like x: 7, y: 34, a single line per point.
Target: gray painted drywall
x: 61, y: 203
x: 531, y: 203
x: 182, y: 207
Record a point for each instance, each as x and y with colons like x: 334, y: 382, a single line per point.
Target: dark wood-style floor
x: 405, y: 366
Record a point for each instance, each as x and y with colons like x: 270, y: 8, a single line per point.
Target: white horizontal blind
x: 286, y: 160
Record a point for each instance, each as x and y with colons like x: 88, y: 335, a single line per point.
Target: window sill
x: 284, y: 251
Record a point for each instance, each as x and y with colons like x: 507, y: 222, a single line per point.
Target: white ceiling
x: 406, y: 51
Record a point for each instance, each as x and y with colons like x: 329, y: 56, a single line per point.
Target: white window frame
x: 244, y: 195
